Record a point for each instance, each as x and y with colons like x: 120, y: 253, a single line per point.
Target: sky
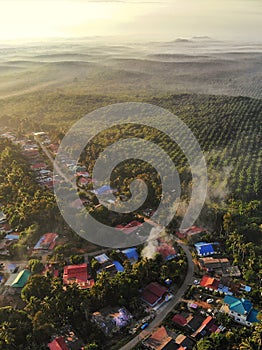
x: 133, y: 19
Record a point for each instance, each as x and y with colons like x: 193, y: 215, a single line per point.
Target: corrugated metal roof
x: 21, y: 279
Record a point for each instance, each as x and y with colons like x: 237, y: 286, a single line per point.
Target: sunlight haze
x: 226, y: 19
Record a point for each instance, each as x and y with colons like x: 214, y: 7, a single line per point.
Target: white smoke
x: 150, y: 249
x: 218, y: 184
x: 152, y: 244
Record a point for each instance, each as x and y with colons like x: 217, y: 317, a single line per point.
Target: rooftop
x: 252, y: 317
x: 38, y: 166
x: 131, y: 254
x: 119, y: 267
x: 58, y: 344
x: 153, y: 293
x: 103, y: 190
x: 77, y: 274
x: 204, y: 249
x: 102, y: 258
x: 180, y: 320
x: 111, y: 321
x: 21, y: 279
x: 207, y: 325
x: 240, y: 306
x: 209, y: 282
x: 159, y: 339
x: 190, y: 231
x: 167, y: 250
x: 46, y: 242
x: 130, y: 227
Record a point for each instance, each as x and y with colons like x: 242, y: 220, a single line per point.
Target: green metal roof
x: 241, y: 306
x: 21, y: 279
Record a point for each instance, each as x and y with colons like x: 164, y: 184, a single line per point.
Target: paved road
x: 164, y: 311
x: 49, y: 156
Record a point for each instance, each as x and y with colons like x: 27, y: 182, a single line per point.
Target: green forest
x: 227, y: 128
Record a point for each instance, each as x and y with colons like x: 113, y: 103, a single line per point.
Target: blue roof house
x: 204, y: 249
x: 241, y: 310
x: 102, y: 258
x: 12, y: 237
x: 131, y: 254
x: 119, y: 267
x: 103, y: 190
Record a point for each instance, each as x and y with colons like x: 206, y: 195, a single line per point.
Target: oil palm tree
x: 246, y: 345
x: 203, y: 344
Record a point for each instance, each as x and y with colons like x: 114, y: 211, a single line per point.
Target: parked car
x: 210, y: 301
x: 144, y: 325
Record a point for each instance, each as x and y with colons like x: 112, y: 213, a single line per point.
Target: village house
x: 207, y: 327
x: 58, y: 344
x: 166, y: 249
x: 18, y: 280
x: 110, y: 321
x: 78, y: 274
x: 38, y: 166
x: 190, y: 232
x: 68, y: 341
x: 210, y: 283
x: 241, y: 310
x: 130, y: 227
x: 206, y: 249
x: 154, y: 294
x: 159, y: 340
x: 108, y: 265
x: 131, y: 254
x: 184, y: 342
x: 83, y: 182
x: 13, y: 236
x: 46, y: 243
x: 219, y: 266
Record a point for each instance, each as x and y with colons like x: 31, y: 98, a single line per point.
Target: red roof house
x: 46, y: 242
x: 38, y: 166
x: 167, y: 251
x: 154, y: 293
x: 158, y: 340
x: 31, y: 153
x: 209, y: 282
x: 180, y: 320
x: 190, y: 231
x: 132, y: 226
x: 58, y: 344
x: 78, y: 274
